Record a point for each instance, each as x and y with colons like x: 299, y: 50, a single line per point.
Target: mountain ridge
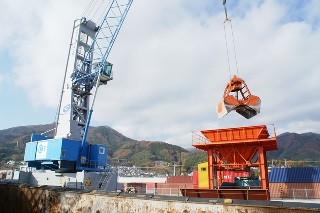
x: 292, y: 147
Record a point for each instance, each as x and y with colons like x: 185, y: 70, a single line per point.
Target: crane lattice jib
x: 96, y: 57
x: 101, y: 46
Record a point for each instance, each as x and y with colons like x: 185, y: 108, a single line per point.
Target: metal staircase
x: 105, y: 180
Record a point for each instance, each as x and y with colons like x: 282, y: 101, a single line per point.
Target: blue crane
x: 87, y: 68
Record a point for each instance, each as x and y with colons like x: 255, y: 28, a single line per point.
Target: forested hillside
x: 121, y: 149
x: 294, y: 149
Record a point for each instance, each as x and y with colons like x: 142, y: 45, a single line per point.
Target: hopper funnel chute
x: 242, y: 102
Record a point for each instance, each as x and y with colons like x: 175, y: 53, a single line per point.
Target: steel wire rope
x: 85, y: 12
x: 91, y: 18
x: 232, y: 35
x: 93, y: 6
x: 101, y: 18
x: 234, y: 49
x: 97, y: 9
x: 225, y: 36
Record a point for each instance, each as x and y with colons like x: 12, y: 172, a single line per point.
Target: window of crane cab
x: 63, y: 153
x: 101, y: 150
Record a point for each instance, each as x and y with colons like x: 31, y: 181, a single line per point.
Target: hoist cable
x: 88, y: 7
x: 225, y: 10
x: 93, y: 6
x: 104, y: 12
x: 234, y: 49
x: 225, y: 36
x: 97, y: 10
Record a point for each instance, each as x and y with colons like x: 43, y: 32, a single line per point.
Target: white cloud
x: 170, y: 64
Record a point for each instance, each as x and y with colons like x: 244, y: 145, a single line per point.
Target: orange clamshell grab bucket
x: 243, y: 102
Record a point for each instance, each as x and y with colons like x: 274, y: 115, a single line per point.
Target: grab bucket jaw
x: 248, y: 105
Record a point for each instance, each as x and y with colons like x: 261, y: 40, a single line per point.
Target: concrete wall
x: 15, y: 198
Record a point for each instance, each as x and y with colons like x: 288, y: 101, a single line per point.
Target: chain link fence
x: 296, y: 193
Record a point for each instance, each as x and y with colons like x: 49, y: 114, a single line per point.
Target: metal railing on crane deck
x: 92, y: 165
x: 198, y: 139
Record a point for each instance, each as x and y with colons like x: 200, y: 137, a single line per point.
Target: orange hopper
x: 243, y: 102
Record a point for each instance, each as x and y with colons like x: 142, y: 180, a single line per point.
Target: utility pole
x: 180, y: 160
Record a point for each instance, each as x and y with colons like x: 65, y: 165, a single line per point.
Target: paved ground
x: 317, y: 201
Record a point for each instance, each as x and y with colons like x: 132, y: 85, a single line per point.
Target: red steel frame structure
x: 235, y: 149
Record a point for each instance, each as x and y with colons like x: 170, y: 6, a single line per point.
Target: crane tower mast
x: 73, y: 107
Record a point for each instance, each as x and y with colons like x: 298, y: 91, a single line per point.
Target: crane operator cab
x: 242, y: 101
x: 105, y: 72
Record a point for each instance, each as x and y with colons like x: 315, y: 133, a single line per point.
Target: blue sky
x: 16, y: 107
x: 170, y: 65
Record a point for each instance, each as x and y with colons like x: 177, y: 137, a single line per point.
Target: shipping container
x: 222, y: 176
x: 150, y: 188
x: 295, y: 175
x: 179, y: 179
x: 150, y: 185
x: 195, y: 179
x: 172, y: 189
x: 228, y: 175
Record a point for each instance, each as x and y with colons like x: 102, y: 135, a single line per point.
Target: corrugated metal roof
x: 295, y: 175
